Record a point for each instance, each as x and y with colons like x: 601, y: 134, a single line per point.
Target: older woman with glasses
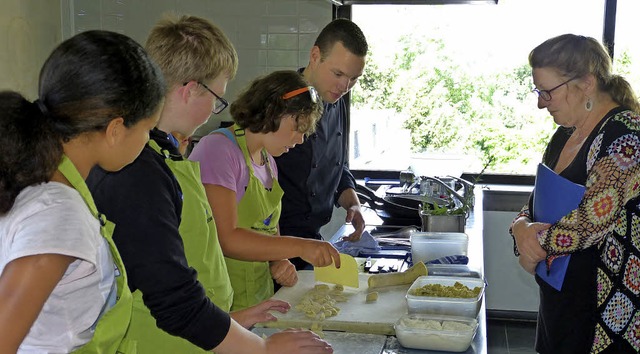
x: 594, y: 307
x: 239, y: 174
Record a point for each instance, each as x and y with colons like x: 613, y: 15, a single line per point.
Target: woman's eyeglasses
x: 315, y: 97
x: 546, y: 94
x: 220, y: 103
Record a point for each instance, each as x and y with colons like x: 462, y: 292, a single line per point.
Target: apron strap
x: 242, y: 143
x: 70, y: 172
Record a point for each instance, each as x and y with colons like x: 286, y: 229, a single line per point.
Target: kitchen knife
x: 347, y: 274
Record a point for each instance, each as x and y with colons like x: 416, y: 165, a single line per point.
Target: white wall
x: 268, y: 34
x: 509, y: 287
x: 29, y: 30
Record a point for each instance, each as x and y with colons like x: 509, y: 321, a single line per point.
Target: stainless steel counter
x: 473, y: 229
x: 350, y: 343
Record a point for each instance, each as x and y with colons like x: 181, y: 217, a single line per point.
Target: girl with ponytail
x: 62, y: 284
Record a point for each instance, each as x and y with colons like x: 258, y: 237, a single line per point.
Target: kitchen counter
x: 348, y: 343
x: 473, y: 229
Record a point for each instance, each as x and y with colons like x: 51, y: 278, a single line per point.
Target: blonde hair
x: 191, y: 48
x: 577, y: 56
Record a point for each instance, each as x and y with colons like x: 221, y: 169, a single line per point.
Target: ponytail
x: 31, y: 151
x: 622, y: 93
x: 88, y: 80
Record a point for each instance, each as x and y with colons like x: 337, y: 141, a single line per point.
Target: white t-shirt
x: 52, y: 218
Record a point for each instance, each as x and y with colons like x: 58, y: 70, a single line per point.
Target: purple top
x: 222, y: 164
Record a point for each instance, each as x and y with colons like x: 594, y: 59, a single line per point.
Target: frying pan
x: 400, y: 210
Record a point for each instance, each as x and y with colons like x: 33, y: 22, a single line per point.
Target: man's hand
x: 283, y: 272
x: 354, y: 216
x: 349, y: 201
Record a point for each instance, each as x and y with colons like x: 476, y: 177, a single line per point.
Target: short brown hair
x: 191, y: 48
x: 344, y: 31
x: 261, y: 106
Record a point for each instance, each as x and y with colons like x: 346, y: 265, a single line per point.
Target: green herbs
x: 436, y: 209
x: 463, y: 207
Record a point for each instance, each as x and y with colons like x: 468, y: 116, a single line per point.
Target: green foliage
x: 453, y: 108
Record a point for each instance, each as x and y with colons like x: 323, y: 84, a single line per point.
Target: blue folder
x: 554, y: 197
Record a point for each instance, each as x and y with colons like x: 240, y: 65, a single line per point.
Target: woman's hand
x: 283, y: 272
x: 527, y: 265
x: 319, y: 253
x: 297, y: 341
x: 248, y: 317
x: 525, y: 234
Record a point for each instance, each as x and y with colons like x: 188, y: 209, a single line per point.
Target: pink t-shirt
x: 222, y: 164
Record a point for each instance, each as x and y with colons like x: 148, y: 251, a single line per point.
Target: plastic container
x: 453, y: 270
x: 463, y: 307
x: 427, y: 246
x: 436, y: 332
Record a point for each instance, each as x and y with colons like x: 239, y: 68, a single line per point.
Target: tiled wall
x: 268, y: 34
x: 29, y: 30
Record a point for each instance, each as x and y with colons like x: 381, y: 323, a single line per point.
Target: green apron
x: 112, y: 326
x: 203, y: 252
x: 259, y: 210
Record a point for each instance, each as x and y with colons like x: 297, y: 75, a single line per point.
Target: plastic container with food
x: 436, y: 332
x: 427, y: 246
x: 440, y: 295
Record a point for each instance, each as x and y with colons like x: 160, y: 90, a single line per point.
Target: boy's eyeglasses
x: 546, y: 94
x: 220, y: 103
x: 315, y: 97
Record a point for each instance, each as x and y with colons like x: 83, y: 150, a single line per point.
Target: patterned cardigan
x: 609, y: 217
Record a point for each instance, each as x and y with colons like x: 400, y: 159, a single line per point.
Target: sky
x: 513, y: 27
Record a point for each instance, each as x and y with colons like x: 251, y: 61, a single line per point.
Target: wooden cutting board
x: 355, y: 316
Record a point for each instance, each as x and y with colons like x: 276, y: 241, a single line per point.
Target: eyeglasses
x: 546, y: 94
x: 219, y: 105
x: 315, y: 97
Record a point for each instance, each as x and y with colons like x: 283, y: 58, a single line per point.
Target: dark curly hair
x: 260, y: 107
x: 88, y: 80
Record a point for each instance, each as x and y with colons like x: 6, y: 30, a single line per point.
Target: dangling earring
x: 589, y: 105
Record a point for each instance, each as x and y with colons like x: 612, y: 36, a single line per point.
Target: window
x: 627, y: 47
x: 452, y: 86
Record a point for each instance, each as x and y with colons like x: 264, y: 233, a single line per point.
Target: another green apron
x: 259, y: 210
x: 112, y: 326
x: 203, y: 252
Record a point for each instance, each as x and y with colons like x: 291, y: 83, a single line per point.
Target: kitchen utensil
x: 347, y: 274
x: 404, y: 232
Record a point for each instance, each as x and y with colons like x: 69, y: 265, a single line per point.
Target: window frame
x: 343, y: 9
